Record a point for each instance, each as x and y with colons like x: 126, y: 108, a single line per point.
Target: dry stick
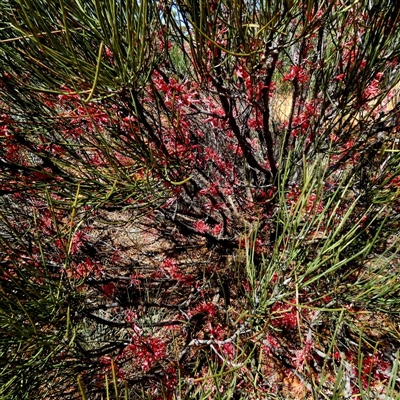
x: 106, y: 349
x: 138, y: 108
x: 223, y: 95
x: 236, y: 130
x: 211, y: 342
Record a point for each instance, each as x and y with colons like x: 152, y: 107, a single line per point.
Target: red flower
x: 206, y: 308
x: 174, y: 271
x: 285, y: 315
x: 339, y: 77
x: 147, y: 351
x: 83, y: 269
x: 201, y: 226
x: 296, y: 73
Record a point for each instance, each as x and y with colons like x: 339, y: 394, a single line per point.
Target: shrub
x: 264, y: 131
